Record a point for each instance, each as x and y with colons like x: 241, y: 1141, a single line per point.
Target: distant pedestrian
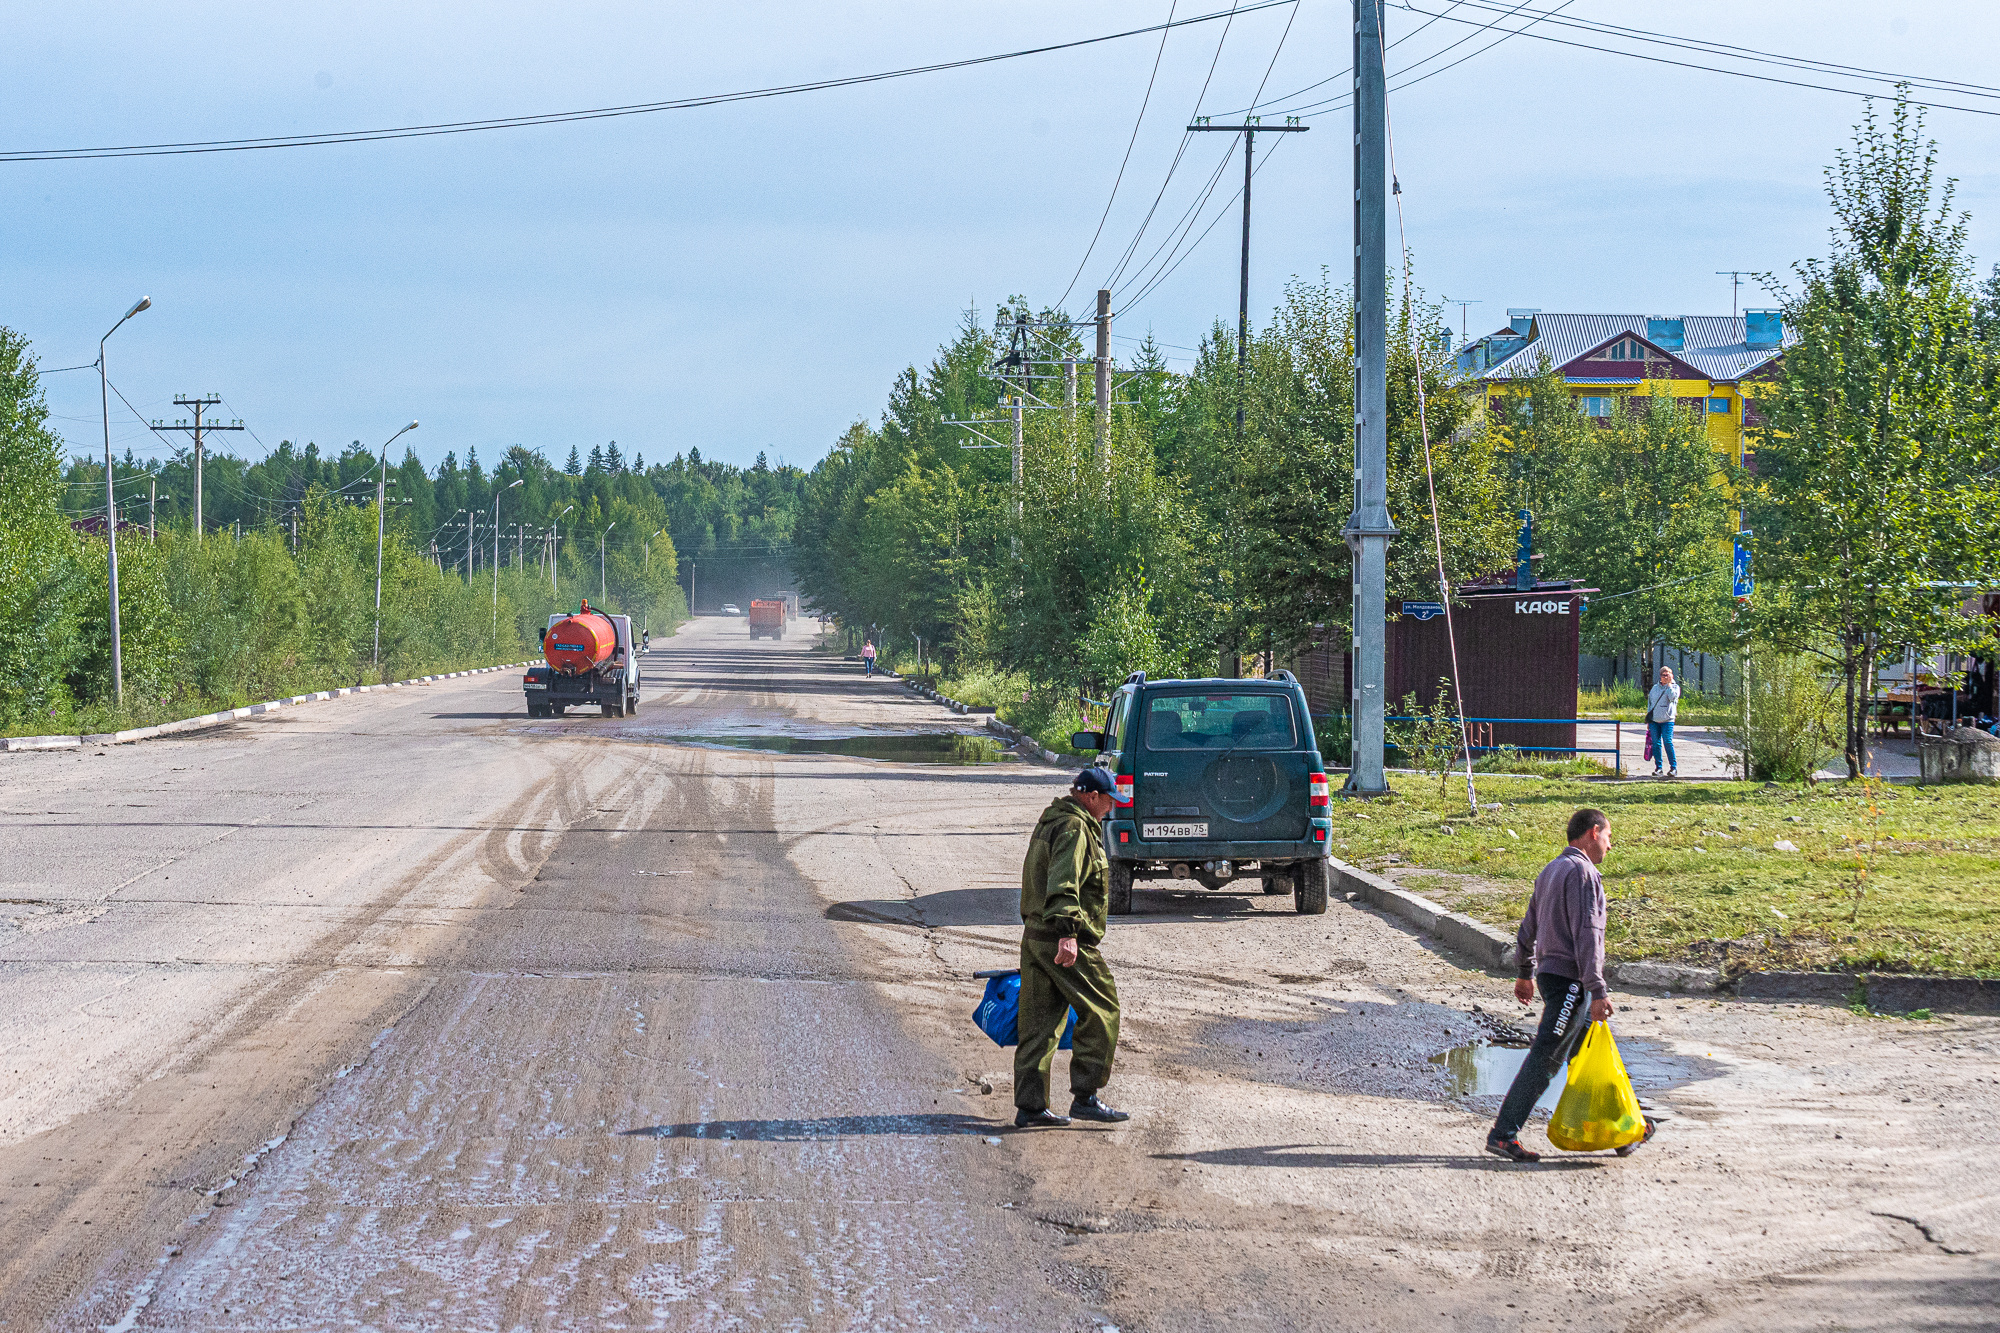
x: 1662, y: 705
x: 867, y: 657
x: 1065, y: 896
x: 1560, y: 946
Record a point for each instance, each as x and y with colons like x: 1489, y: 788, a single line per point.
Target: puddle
x: 1484, y: 1069
x: 933, y: 747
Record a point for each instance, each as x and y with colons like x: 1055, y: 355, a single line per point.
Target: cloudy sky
x: 751, y: 276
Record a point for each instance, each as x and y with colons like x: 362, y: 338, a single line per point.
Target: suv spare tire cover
x: 1248, y: 789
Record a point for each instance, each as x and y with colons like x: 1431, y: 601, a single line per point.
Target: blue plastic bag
x: 999, y: 1012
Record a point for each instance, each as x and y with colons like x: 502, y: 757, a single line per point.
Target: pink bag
x: 1649, y: 742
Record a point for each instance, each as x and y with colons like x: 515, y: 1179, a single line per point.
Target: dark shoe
x: 1512, y: 1150
x: 1089, y: 1108
x: 1673, y: 772
x: 1631, y: 1148
x: 1042, y: 1119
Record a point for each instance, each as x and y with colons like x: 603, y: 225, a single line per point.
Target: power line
x: 595, y: 113
x: 1715, y: 69
x: 1179, y: 153
x: 1117, y: 180
x: 1735, y: 51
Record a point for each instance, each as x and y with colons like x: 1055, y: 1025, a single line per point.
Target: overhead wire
x: 1119, y: 179
x: 1193, y: 213
x: 1180, y: 151
x: 1734, y: 73
x: 598, y: 113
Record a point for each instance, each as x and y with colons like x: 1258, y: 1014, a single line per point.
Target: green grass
x: 1693, y: 876
x: 1627, y: 703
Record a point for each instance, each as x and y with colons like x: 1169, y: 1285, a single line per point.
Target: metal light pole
x: 1368, y: 527
x: 600, y: 559
x: 111, y: 507
x: 555, y: 537
x: 496, y: 548
x: 381, y: 497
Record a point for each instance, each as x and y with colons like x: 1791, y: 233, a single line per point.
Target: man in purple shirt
x: 1560, y: 946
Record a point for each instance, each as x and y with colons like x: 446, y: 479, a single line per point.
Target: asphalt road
x: 403, y: 1011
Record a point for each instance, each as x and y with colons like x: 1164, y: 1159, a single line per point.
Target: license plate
x: 1176, y: 831
x: 534, y: 685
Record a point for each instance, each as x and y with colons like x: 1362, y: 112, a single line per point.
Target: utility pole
x: 1735, y: 276
x: 1368, y: 527
x: 1103, y: 374
x: 198, y: 428
x: 153, y: 511
x: 381, y: 505
x: 497, y: 493
x: 1248, y: 129
x: 600, y: 559
x: 1463, y: 336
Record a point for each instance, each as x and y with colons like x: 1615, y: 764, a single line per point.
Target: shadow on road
x: 823, y: 1127
x: 950, y: 907
x: 1290, y: 1155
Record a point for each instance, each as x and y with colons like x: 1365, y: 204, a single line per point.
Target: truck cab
x: 1217, y: 780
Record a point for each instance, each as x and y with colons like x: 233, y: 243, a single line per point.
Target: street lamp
x: 555, y: 537
x: 381, y: 494
x: 496, y: 548
x: 111, y: 507
x: 600, y: 557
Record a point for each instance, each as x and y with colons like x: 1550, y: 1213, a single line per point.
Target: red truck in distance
x: 767, y: 618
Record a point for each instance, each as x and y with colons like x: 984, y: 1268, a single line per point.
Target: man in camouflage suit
x: 1065, y: 894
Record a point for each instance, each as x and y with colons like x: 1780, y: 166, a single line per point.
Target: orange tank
x: 579, y: 643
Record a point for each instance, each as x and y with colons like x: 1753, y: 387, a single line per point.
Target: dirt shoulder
x: 1296, y: 1160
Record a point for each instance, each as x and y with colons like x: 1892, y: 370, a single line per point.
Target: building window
x: 1626, y: 349
x: 1718, y: 407
x: 1594, y: 407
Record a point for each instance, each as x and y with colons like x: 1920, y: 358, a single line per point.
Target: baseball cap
x: 1094, y: 779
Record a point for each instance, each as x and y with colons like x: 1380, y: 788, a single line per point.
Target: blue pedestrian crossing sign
x: 1742, y: 585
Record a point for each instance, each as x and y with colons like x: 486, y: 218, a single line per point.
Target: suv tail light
x: 1124, y: 794
x: 1321, y: 793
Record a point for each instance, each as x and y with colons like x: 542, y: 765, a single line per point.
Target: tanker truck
x: 588, y: 660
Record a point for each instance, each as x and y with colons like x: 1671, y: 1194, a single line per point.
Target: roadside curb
x: 1032, y: 747
x: 1454, y: 929
x: 1888, y: 992
x: 206, y: 720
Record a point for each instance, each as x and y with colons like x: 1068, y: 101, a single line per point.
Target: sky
x: 751, y: 277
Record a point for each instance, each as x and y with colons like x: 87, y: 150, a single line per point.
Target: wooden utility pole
x: 1103, y: 374
x: 1248, y: 129
x: 197, y: 428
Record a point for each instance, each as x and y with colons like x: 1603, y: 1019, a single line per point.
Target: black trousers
x: 1565, y: 1018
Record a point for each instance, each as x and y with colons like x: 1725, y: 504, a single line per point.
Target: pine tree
x: 574, y: 467
x: 596, y: 467
x: 614, y: 462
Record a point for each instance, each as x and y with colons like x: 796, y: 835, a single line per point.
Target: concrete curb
x: 1454, y: 929
x: 1888, y: 992
x: 206, y: 720
x: 1032, y: 747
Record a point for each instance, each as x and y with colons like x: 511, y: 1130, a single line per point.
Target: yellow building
x: 1713, y: 364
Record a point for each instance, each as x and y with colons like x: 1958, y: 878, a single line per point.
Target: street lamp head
x: 411, y: 426
x: 145, y: 303
x: 512, y: 484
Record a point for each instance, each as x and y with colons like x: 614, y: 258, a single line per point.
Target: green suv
x: 1217, y: 780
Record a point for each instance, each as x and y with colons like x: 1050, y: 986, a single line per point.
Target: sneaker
x: 1631, y: 1148
x: 1042, y: 1119
x: 1090, y: 1108
x: 1512, y: 1150
x: 1673, y: 772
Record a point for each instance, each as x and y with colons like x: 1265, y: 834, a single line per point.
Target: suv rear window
x: 1220, y: 722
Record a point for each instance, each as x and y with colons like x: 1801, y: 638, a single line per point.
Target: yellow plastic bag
x: 1598, y: 1108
